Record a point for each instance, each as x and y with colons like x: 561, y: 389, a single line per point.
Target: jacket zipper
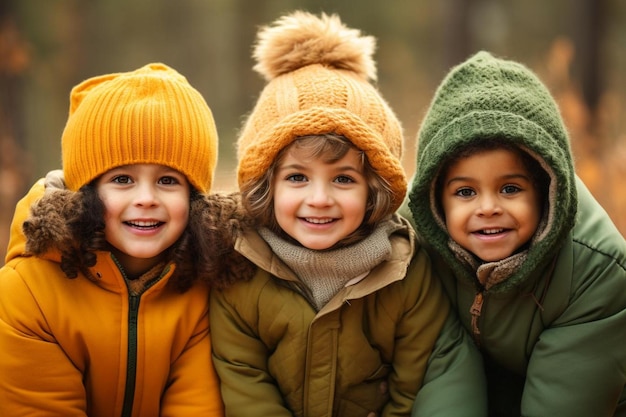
x: 131, y: 366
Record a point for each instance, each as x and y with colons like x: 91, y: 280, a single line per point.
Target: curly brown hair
x: 204, y: 251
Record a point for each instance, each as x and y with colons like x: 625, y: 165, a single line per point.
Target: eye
x: 121, y: 179
x: 169, y: 180
x: 510, y: 189
x: 344, y: 179
x: 296, y: 178
x: 465, y: 192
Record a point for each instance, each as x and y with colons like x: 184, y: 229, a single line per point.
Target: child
x: 111, y: 316
x: 533, y: 265
x: 342, y: 317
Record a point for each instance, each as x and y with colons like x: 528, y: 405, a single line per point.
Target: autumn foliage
x: 598, y: 143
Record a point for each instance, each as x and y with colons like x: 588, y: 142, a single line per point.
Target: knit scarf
x: 489, y: 273
x: 140, y: 284
x: 326, y: 272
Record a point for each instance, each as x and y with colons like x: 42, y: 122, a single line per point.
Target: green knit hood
x: 485, y: 98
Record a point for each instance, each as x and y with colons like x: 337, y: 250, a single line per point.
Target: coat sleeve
x: 240, y: 358
x: 454, y: 384
x: 193, y: 388
x: 37, y: 375
x: 578, y: 366
x: 433, y: 352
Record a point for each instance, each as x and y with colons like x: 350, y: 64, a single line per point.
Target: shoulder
x: 406, y: 246
x: 30, y: 284
x: 29, y: 270
x: 594, y: 235
x: 417, y: 279
x: 404, y: 242
x: 589, y: 279
x: 246, y: 294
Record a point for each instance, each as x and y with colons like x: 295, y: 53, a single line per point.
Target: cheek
x: 450, y: 211
x: 111, y: 225
x: 112, y: 205
x: 111, y: 211
x: 455, y: 218
x: 180, y: 211
x: 283, y: 214
x: 357, y: 207
x: 285, y: 201
x: 454, y: 224
x: 533, y: 215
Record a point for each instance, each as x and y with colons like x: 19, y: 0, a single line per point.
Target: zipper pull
x: 475, y: 311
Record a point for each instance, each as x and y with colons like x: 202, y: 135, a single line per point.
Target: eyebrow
x: 301, y: 167
x: 503, y: 177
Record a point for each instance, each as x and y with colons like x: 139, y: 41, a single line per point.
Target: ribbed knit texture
x: 486, y: 97
x: 325, y: 273
x: 318, y: 72
x: 148, y: 116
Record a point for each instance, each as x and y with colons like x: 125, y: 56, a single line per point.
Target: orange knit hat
x: 148, y: 116
x: 318, y: 73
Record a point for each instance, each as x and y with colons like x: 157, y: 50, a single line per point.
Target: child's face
x: 147, y: 209
x: 490, y: 203
x: 319, y: 203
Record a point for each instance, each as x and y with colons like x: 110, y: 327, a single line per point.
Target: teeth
x: 143, y: 224
x: 318, y: 221
x: 492, y: 231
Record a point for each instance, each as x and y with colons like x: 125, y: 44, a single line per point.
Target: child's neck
x: 134, y: 267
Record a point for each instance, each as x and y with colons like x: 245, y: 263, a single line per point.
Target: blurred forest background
x: 578, y: 48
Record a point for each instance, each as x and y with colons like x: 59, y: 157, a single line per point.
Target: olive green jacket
x: 369, y: 349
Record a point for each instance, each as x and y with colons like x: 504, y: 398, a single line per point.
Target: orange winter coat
x: 82, y: 347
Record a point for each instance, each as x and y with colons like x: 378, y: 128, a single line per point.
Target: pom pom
x: 300, y: 39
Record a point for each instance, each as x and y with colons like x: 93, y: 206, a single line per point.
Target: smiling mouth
x: 490, y: 231
x: 144, y: 225
x: 318, y: 221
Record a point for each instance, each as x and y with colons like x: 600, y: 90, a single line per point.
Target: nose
x: 146, y: 195
x: 489, y: 205
x: 319, y: 196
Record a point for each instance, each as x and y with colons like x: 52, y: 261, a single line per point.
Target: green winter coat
x: 553, y: 333
x: 369, y: 349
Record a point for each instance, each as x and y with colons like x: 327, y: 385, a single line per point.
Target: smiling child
x: 343, y: 316
x: 533, y: 265
x: 104, y: 296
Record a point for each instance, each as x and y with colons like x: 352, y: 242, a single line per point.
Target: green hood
x: 480, y: 99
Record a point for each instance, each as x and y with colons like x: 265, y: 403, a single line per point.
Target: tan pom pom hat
x: 318, y: 74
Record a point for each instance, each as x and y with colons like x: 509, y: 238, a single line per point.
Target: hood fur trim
x: 49, y: 225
